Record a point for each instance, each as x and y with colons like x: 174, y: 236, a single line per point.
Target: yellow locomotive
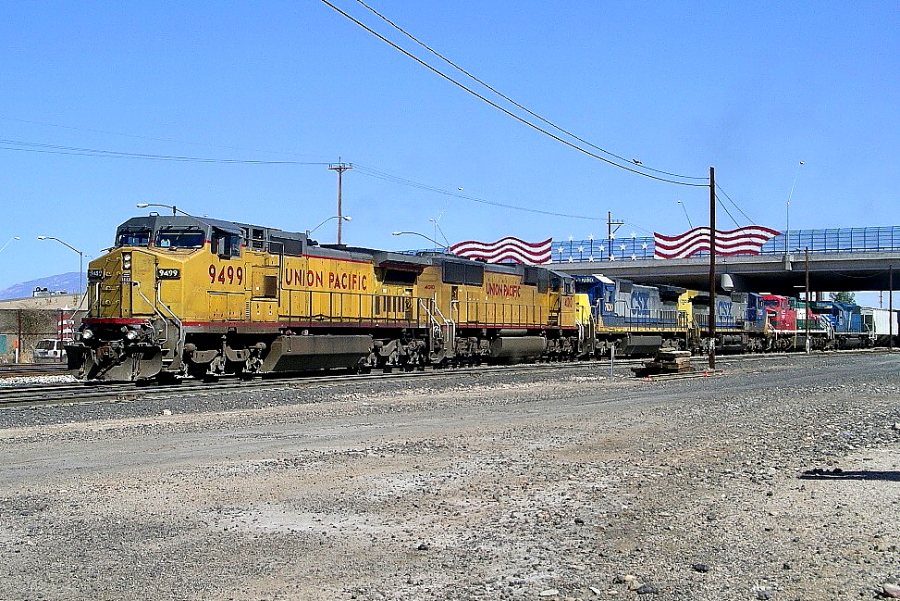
x: 189, y: 296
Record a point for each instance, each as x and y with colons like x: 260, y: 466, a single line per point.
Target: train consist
x: 666, y: 316
x: 182, y: 296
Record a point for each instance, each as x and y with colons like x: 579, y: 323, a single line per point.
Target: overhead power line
x: 140, y: 137
x: 734, y: 203
x: 21, y: 146
x: 517, y: 104
x: 413, y: 184
x: 638, y: 227
x: 722, y: 204
x: 503, y: 109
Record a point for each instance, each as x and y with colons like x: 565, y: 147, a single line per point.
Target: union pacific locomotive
x: 188, y: 296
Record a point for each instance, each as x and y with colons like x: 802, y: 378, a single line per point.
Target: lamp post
x: 432, y: 240
x: 437, y: 228
x: 80, y: 259
x: 8, y: 241
x: 691, y: 225
x: 787, y: 221
x: 339, y: 217
x: 175, y: 210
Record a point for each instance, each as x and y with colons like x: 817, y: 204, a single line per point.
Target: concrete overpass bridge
x: 849, y: 259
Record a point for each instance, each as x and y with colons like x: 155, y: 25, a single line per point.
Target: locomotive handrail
x: 179, y: 346
x: 510, y: 314
x: 437, y: 328
x: 181, y: 332
x: 352, y: 307
x: 435, y: 325
x: 580, y: 327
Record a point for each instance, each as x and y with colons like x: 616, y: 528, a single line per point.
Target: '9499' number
x: 229, y: 274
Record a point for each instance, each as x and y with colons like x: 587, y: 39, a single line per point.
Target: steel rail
x: 68, y: 393
x: 12, y: 370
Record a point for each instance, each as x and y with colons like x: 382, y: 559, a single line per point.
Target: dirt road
x: 780, y: 480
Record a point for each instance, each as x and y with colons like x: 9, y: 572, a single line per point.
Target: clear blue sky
x: 750, y: 88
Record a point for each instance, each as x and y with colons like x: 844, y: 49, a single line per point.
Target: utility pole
x: 340, y: 168
x: 712, y: 268
x: 807, y: 343
x: 609, y: 233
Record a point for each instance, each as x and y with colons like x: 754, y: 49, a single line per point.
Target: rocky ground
x: 778, y: 480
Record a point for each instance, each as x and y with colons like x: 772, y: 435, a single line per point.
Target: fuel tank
x: 518, y: 348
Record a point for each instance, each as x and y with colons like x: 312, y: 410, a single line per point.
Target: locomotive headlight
x: 131, y: 334
x: 126, y: 260
x: 86, y: 334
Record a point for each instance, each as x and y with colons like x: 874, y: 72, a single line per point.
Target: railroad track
x: 11, y: 370
x: 68, y: 393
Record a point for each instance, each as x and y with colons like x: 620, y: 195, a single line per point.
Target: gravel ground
x: 778, y: 480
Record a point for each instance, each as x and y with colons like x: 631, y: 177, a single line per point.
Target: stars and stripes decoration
x: 743, y: 240
x: 509, y: 248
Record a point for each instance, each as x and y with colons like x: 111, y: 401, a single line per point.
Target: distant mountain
x: 64, y: 282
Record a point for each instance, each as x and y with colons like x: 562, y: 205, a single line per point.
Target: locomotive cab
x: 144, y: 288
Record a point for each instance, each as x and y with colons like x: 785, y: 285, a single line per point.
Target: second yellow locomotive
x: 189, y: 296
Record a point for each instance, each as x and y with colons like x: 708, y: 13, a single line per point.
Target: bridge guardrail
x: 636, y: 248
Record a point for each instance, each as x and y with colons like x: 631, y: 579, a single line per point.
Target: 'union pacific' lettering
x: 347, y: 281
x: 505, y: 290
x: 318, y: 279
x: 298, y: 277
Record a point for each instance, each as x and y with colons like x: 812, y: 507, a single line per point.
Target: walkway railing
x: 636, y: 248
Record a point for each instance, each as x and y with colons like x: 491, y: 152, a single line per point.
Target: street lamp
x: 341, y: 217
x: 787, y: 224
x: 80, y: 259
x: 691, y: 225
x: 437, y: 226
x: 175, y: 210
x: 8, y: 241
x: 432, y: 240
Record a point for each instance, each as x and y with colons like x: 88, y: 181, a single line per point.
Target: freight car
x: 188, y: 296
x: 876, y: 322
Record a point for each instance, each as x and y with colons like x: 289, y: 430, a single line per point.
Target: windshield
x: 46, y: 345
x: 176, y: 239
x: 133, y: 238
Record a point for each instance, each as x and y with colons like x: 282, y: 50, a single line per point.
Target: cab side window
x: 226, y: 245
